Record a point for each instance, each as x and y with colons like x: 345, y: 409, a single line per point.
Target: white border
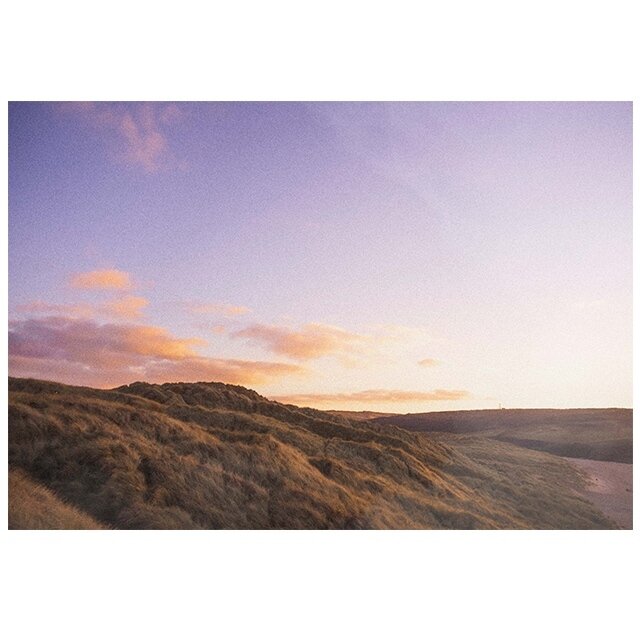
x: 318, y: 584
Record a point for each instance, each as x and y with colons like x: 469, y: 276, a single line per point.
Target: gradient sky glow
x: 381, y: 256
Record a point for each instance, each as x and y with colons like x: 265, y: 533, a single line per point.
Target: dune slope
x: 32, y: 506
x: 209, y: 455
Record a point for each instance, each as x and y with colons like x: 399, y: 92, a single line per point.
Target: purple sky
x: 319, y: 252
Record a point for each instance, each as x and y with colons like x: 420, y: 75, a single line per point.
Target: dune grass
x: 208, y: 455
x: 32, y: 506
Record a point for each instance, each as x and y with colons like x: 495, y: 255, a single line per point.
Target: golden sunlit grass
x: 208, y: 455
x: 32, y: 506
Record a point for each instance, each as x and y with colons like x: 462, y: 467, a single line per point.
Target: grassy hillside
x: 32, y: 506
x: 596, y: 434
x: 360, y: 415
x: 209, y: 455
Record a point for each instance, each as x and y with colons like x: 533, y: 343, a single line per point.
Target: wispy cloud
x: 218, y: 329
x: 136, y: 132
x: 243, y: 372
x: 126, y: 308
x: 372, y: 396
x: 311, y: 341
x: 218, y: 309
x: 81, y: 351
x: 101, y: 279
x: 428, y: 362
x: 80, y: 310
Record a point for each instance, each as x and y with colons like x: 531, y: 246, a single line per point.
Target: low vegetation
x: 594, y: 434
x: 358, y: 416
x: 209, y: 455
x: 32, y: 506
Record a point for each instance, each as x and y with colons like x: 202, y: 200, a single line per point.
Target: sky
x: 397, y: 257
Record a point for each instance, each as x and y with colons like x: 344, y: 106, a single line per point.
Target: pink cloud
x: 136, y: 132
x: 218, y: 309
x: 428, y: 362
x: 81, y: 351
x: 243, y: 372
x: 218, y: 329
x: 311, y: 341
x: 372, y: 396
x: 93, y: 344
x: 101, y: 279
x: 143, y: 142
x: 81, y: 310
x: 127, y: 308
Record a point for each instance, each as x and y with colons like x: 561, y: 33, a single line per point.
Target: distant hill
x: 360, y: 415
x: 595, y: 434
x: 209, y: 455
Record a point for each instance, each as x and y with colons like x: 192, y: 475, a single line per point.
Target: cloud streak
x: 311, y: 341
x: 129, y: 307
x: 81, y: 351
x: 372, y: 396
x: 243, y: 372
x: 101, y: 279
x: 126, y: 308
x: 218, y: 309
x: 80, y: 310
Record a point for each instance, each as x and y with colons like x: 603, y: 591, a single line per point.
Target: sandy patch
x: 610, y: 488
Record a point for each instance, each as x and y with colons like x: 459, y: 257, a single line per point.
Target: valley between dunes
x: 210, y: 456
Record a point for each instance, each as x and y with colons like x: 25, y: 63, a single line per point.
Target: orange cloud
x: 128, y: 307
x: 219, y: 309
x: 68, y: 372
x: 154, y: 342
x: 243, y: 372
x: 81, y: 351
x: 93, y: 344
x: 102, y: 279
x: 428, y: 362
x: 372, y: 396
x: 312, y: 341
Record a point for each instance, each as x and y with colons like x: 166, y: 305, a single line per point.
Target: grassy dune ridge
x: 210, y: 455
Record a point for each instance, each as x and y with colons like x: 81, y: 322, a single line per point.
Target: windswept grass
x: 208, y: 455
x: 32, y: 506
